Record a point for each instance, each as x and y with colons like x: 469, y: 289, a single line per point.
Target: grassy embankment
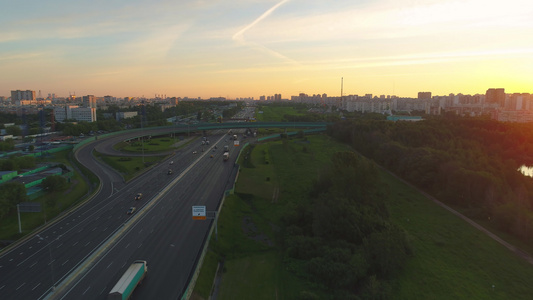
x: 272, y: 113
x: 52, y: 204
x: 452, y: 260
x: 273, y: 177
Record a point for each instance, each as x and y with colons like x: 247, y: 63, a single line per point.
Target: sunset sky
x: 249, y: 48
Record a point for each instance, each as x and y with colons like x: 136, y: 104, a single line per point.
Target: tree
x: 11, y: 194
x: 54, y: 183
x: 387, y: 250
x: 14, y: 130
x: 7, y: 145
x: 25, y: 162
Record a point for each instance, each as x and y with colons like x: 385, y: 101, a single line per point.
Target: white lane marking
x: 59, y: 245
x: 109, y: 265
x: 75, y: 244
x: 38, y: 284
x: 21, y: 286
x: 2, y: 287
x: 127, y: 245
x: 21, y: 253
x: 87, y: 243
x: 86, y: 290
x: 33, y: 264
x: 64, y: 262
x: 105, y: 229
x: 140, y: 231
x: 139, y: 245
x: 51, y: 262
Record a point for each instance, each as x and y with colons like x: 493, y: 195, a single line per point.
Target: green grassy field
x: 272, y: 113
x: 129, y: 166
x: 451, y: 260
x: 249, y: 225
x: 154, y: 145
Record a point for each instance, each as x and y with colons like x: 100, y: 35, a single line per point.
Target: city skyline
x: 249, y: 48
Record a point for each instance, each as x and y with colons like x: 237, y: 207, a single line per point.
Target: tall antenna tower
x: 342, y: 83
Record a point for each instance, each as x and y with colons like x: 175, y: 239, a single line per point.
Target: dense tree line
x: 342, y: 238
x: 17, y: 163
x: 7, y: 145
x: 471, y: 163
x: 311, y: 117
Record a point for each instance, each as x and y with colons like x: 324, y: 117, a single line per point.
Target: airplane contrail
x: 239, y: 35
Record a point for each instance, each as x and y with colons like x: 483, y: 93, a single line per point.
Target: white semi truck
x: 133, y: 276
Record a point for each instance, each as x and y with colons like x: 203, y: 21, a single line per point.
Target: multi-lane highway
x: 82, y: 255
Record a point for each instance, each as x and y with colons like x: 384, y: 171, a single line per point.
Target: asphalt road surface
x: 36, y: 267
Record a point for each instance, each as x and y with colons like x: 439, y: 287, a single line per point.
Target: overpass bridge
x: 181, y: 128
x: 232, y: 125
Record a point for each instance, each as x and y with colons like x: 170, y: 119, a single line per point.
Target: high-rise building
x: 89, y: 101
x: 424, y: 95
x: 495, y: 96
x: 18, y: 95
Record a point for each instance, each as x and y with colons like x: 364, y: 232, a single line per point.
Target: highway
x: 163, y: 233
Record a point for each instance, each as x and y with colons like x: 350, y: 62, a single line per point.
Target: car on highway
x: 138, y: 196
x: 211, y: 156
x: 169, y: 172
x: 171, y: 162
x: 194, y: 152
x: 131, y: 210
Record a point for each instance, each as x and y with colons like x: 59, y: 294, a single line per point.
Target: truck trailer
x: 133, y: 276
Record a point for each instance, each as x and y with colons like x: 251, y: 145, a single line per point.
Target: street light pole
x: 142, y: 132
x: 51, y: 261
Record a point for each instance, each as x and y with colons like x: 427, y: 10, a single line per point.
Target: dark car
x: 138, y: 196
x: 169, y: 172
x: 131, y: 210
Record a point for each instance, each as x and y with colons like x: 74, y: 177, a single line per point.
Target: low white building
x: 85, y: 114
x: 125, y: 115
